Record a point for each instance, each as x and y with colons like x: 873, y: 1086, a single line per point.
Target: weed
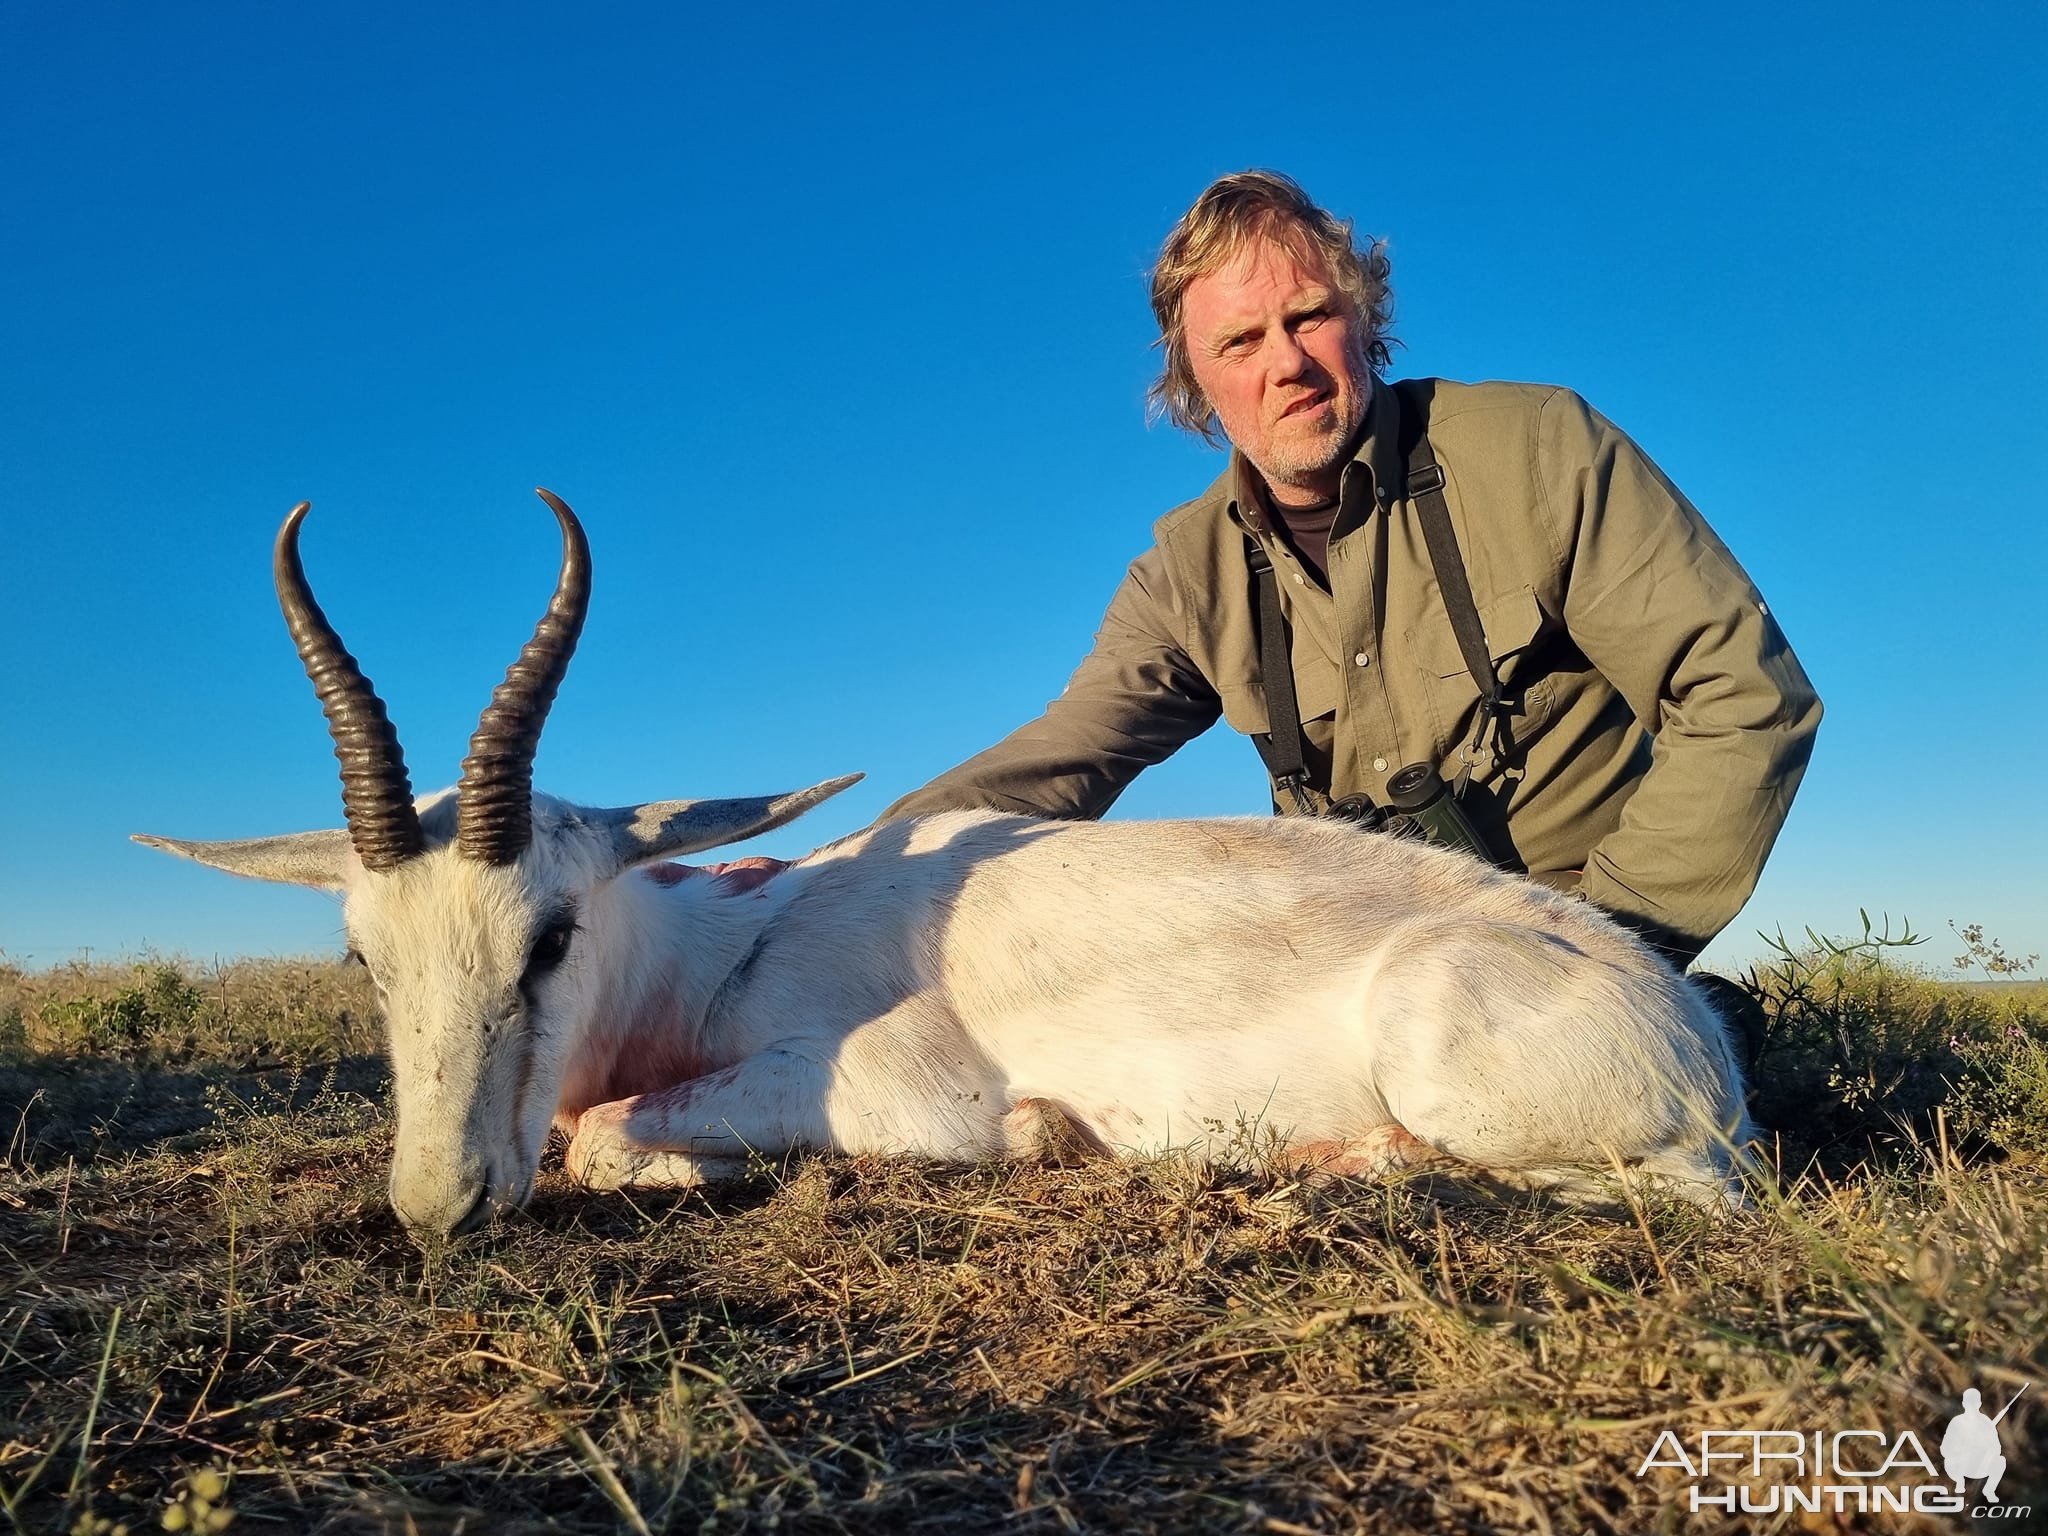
x: 1860, y: 1050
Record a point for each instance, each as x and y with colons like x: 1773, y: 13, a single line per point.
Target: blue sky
x: 831, y: 323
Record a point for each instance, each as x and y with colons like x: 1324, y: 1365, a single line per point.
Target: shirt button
x: 1298, y: 580
x: 1379, y: 765
x: 1362, y: 659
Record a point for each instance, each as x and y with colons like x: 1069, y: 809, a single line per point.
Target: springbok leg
x: 906, y: 1083
x: 1381, y: 1151
x: 704, y: 1128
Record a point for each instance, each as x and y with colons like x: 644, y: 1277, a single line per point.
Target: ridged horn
x: 376, y: 795
x: 494, y: 820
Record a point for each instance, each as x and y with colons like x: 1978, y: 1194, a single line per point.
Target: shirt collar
x: 1377, y: 460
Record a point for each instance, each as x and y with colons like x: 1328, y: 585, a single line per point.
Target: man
x: 1656, y: 723
x: 1970, y: 1448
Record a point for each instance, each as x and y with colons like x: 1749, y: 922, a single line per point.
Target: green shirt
x: 1661, y: 722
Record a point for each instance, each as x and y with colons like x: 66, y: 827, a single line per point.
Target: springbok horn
x: 494, y: 820
x: 376, y: 795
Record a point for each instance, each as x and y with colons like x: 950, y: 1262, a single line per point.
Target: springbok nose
x: 478, y: 1213
x: 448, y: 1212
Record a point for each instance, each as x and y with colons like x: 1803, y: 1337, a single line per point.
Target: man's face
x: 1280, y: 354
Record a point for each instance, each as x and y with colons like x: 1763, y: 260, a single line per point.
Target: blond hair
x: 1234, y: 211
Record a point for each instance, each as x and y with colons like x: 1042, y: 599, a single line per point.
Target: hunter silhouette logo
x: 1970, y: 1446
x: 1861, y: 1471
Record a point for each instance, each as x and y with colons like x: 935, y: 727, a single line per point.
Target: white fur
x: 958, y: 986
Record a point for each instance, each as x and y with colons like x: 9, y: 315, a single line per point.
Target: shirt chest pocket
x: 1318, y: 690
x: 1516, y: 629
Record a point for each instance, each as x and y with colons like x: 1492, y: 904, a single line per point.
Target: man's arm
x: 1658, y: 604
x: 1135, y: 698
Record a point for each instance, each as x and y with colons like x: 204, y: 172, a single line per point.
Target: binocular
x: 1419, y: 804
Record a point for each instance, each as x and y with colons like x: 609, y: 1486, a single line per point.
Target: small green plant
x: 2001, y: 1090
x: 1837, y: 1055
x: 203, y: 1507
x: 157, y: 1011
x: 1859, y: 1047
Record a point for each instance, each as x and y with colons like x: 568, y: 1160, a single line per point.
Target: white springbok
x: 960, y: 987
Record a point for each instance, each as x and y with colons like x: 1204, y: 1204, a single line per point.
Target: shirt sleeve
x: 1658, y: 604
x: 1135, y: 698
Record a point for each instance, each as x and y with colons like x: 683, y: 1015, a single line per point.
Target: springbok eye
x: 550, y: 948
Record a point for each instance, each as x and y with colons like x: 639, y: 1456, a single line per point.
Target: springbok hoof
x: 603, y: 1155
x: 1041, y: 1131
x: 1382, y: 1152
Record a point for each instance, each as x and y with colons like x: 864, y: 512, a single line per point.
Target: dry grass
x: 851, y: 1345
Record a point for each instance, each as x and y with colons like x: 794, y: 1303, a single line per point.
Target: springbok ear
x: 668, y: 829
x: 318, y: 859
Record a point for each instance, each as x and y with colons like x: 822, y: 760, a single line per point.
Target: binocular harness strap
x: 1282, y: 748
x: 1426, y: 495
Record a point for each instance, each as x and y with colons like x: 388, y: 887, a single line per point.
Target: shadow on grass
x: 55, y: 1107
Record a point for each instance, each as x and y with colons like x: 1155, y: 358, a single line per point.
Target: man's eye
x: 1311, y: 320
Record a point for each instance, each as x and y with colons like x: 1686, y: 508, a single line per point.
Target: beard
x: 1302, y: 451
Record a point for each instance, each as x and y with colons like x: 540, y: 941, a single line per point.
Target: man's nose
x: 1285, y: 358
